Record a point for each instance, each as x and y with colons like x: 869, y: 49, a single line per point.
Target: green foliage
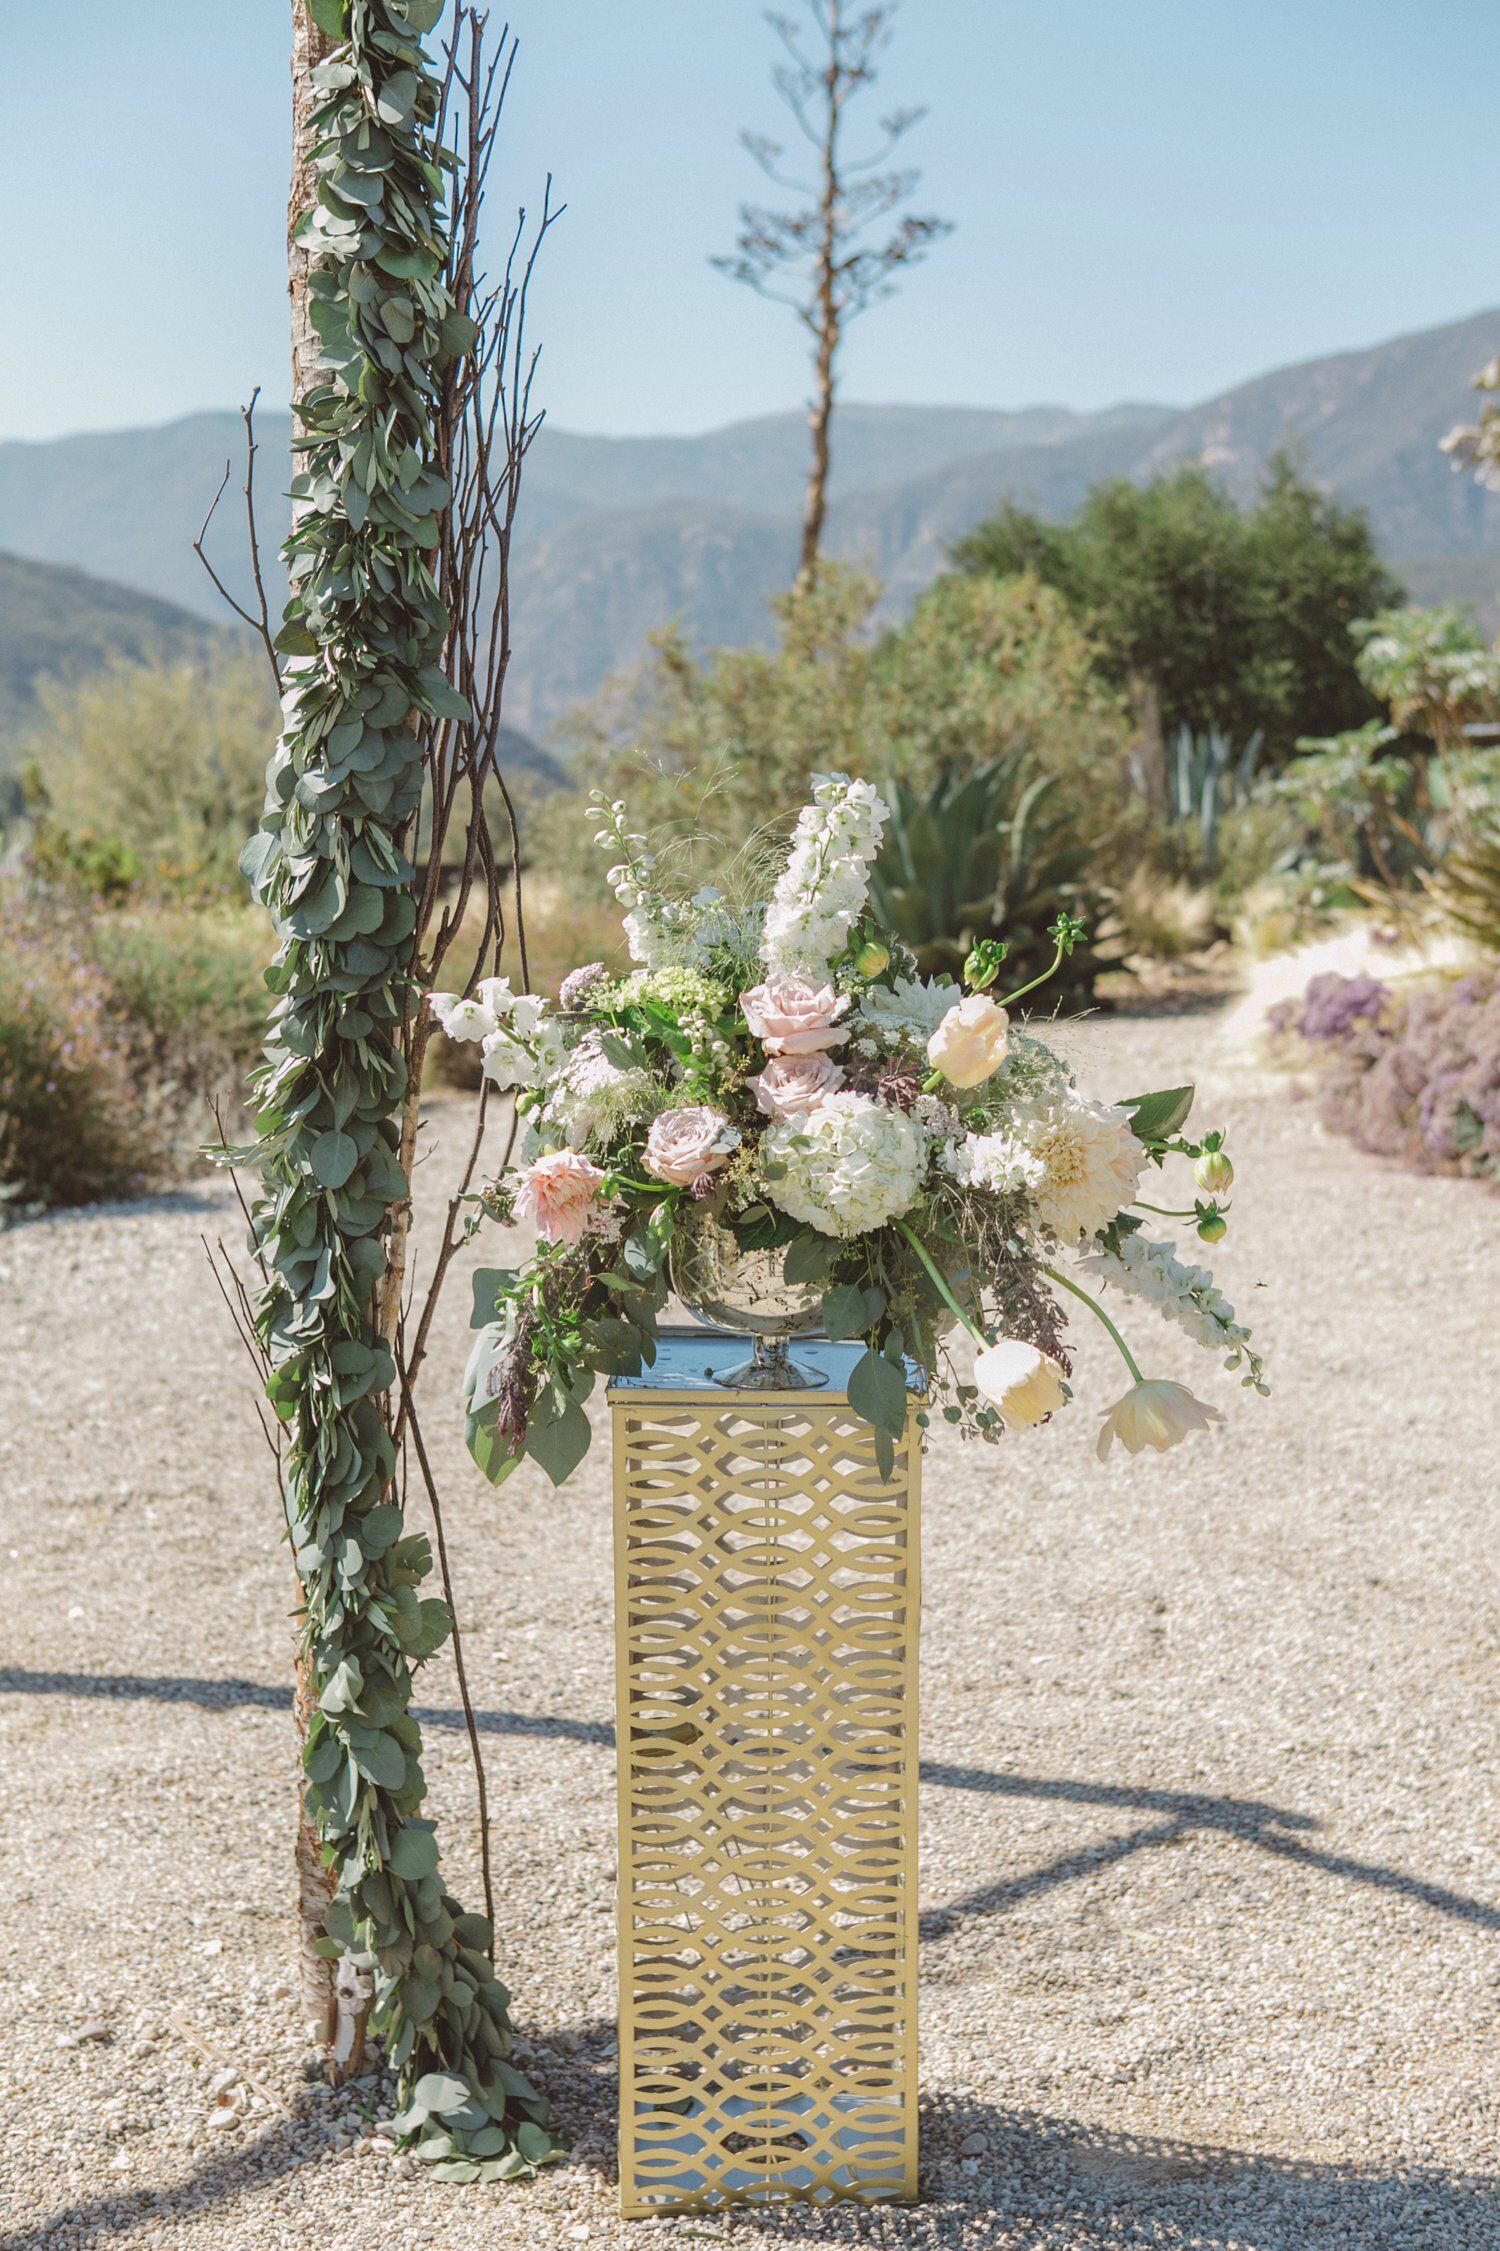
x: 1431, y: 668
x: 992, y: 854
x: 117, y: 1026
x: 1207, y: 778
x: 1233, y: 619
x: 344, y: 784
x: 150, y: 774
x: 74, y: 1126
x: 706, y: 749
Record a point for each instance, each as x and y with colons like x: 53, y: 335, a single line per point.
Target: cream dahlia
x: 1092, y: 1164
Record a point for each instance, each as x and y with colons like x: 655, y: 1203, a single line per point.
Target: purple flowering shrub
x: 1414, y: 1075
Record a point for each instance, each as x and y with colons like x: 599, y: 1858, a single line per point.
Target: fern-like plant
x: 990, y: 852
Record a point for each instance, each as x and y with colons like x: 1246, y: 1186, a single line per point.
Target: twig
x: 260, y: 624
x: 415, y: 1429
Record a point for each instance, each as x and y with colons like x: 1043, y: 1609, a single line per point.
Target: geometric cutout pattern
x: 766, y: 1628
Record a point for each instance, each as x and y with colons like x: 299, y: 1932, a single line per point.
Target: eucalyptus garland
x: 365, y: 629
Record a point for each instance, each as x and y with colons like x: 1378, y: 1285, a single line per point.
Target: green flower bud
x: 873, y: 958
x: 984, y: 963
x: 1213, y: 1172
x: 1212, y: 1225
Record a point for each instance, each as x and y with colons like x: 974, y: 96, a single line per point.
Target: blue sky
x: 1153, y: 200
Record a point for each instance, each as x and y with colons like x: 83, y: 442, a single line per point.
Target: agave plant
x: 1205, y: 779
x: 989, y: 852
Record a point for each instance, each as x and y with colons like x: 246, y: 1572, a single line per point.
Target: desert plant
x: 989, y: 854
x: 1207, y: 778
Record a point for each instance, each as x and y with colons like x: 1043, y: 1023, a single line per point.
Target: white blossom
x: 1000, y: 1163
x: 1185, y: 1294
x: 851, y: 1164
x: 821, y: 892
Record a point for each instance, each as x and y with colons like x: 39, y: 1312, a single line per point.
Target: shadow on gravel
x: 1271, y: 1828
x: 1038, y: 2183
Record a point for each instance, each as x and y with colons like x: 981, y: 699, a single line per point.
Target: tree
x: 1207, y: 615
x: 815, y: 258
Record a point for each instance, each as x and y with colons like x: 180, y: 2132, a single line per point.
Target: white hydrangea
x: 848, y: 1166
x: 1000, y: 1163
x: 1185, y: 1294
x: 821, y: 891
x: 908, y: 1012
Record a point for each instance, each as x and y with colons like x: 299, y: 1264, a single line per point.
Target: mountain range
x: 619, y: 535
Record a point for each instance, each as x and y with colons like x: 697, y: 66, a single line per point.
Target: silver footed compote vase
x: 728, y: 1287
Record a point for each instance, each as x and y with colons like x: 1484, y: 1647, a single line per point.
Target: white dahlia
x: 849, y: 1166
x: 1091, y: 1163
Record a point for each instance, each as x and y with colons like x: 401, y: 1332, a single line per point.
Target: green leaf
x: 333, y: 1157
x: 491, y: 1283
x: 440, y: 2091
x: 422, y: 14
x: 397, y: 97
x: 413, y: 1853
x: 328, y: 15
x: 877, y: 1390
x: 382, y: 1760
x: 807, y: 1259
x: 533, y: 2141
x: 295, y: 640
x: 561, y: 1445
x: 844, y: 1313
x: 1156, y: 1117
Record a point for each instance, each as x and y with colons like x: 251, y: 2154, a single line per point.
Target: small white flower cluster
x: 595, y: 1098
x: 907, y: 1012
x: 999, y: 1163
x: 1185, y: 1294
x: 851, y: 1164
x: 821, y: 891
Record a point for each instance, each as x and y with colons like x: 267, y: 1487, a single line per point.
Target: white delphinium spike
x: 822, y: 889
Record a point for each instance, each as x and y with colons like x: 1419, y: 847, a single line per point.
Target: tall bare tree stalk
x: 485, y: 430
x: 816, y: 257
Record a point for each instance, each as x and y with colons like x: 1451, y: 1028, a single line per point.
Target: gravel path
x: 1209, y: 1878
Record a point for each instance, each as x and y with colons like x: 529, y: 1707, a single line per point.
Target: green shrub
x: 74, y: 1125
x: 149, y: 774
x: 118, y: 1028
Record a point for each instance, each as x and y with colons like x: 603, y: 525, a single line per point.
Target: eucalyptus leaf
x: 877, y: 1390
x: 1156, y: 1117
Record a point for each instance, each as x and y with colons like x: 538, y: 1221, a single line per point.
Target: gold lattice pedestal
x: 766, y: 1624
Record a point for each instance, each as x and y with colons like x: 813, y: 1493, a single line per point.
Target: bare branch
x: 259, y: 621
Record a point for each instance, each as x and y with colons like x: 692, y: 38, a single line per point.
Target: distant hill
x: 61, y: 623
x: 618, y: 535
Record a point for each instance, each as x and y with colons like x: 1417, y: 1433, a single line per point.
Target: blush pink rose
x: 791, y: 1085
x: 561, y: 1193
x: 791, y: 1017
x: 685, y: 1147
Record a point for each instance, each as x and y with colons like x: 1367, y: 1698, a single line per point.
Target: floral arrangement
x: 1410, y: 1071
x: 915, y: 1161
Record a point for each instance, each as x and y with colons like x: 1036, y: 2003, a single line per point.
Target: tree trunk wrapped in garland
x: 366, y: 629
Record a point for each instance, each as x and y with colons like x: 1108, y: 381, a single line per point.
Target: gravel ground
x: 1209, y: 1883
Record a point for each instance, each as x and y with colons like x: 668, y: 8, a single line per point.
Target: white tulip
x: 1155, y: 1413
x: 969, y: 1045
x: 1023, y: 1383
